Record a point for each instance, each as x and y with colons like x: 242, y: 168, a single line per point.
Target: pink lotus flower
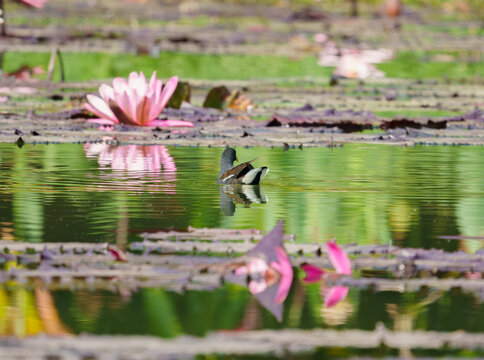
x: 354, y: 63
x: 134, y: 102
x: 35, y: 3
x: 342, y: 265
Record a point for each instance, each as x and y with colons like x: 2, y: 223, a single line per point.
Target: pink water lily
x: 342, y: 265
x: 134, y: 102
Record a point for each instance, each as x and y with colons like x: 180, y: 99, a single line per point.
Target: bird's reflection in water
x: 240, y: 194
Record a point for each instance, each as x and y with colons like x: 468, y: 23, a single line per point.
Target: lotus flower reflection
x: 341, y: 263
x: 138, y: 166
x: 269, y: 265
x: 134, y: 102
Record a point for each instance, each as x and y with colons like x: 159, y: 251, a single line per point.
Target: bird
x: 244, y: 173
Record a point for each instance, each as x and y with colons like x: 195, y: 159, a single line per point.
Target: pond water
x: 357, y: 193
x: 363, y: 194
x: 231, y: 307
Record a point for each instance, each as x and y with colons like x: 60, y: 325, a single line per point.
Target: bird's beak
x: 236, y: 159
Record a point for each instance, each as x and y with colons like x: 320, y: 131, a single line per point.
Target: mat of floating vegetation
x: 297, y: 114
x: 206, y: 258
x: 208, y: 26
x: 261, y: 342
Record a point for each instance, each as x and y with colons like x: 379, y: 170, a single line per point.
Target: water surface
x: 363, y: 194
x: 357, y: 194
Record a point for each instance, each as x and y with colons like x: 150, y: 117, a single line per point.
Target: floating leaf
x: 182, y: 93
x: 217, y: 97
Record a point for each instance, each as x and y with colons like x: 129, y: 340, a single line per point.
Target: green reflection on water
x: 358, y: 193
x: 230, y: 307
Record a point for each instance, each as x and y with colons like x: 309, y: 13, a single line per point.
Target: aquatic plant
x: 354, y: 63
x: 342, y: 265
x: 134, y: 102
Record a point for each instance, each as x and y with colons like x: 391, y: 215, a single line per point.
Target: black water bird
x: 244, y: 173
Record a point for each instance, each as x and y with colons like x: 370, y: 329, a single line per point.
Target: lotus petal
x: 167, y: 92
x: 101, y: 121
x: 335, y: 295
x: 142, y: 111
x: 256, y: 287
x: 106, y: 92
x: 156, y: 99
x: 255, y: 266
x: 137, y: 82
x: 132, y: 100
x: 153, y: 80
x: 313, y: 273
x: 338, y: 258
x: 283, y: 266
x: 170, y: 123
x: 100, y: 108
